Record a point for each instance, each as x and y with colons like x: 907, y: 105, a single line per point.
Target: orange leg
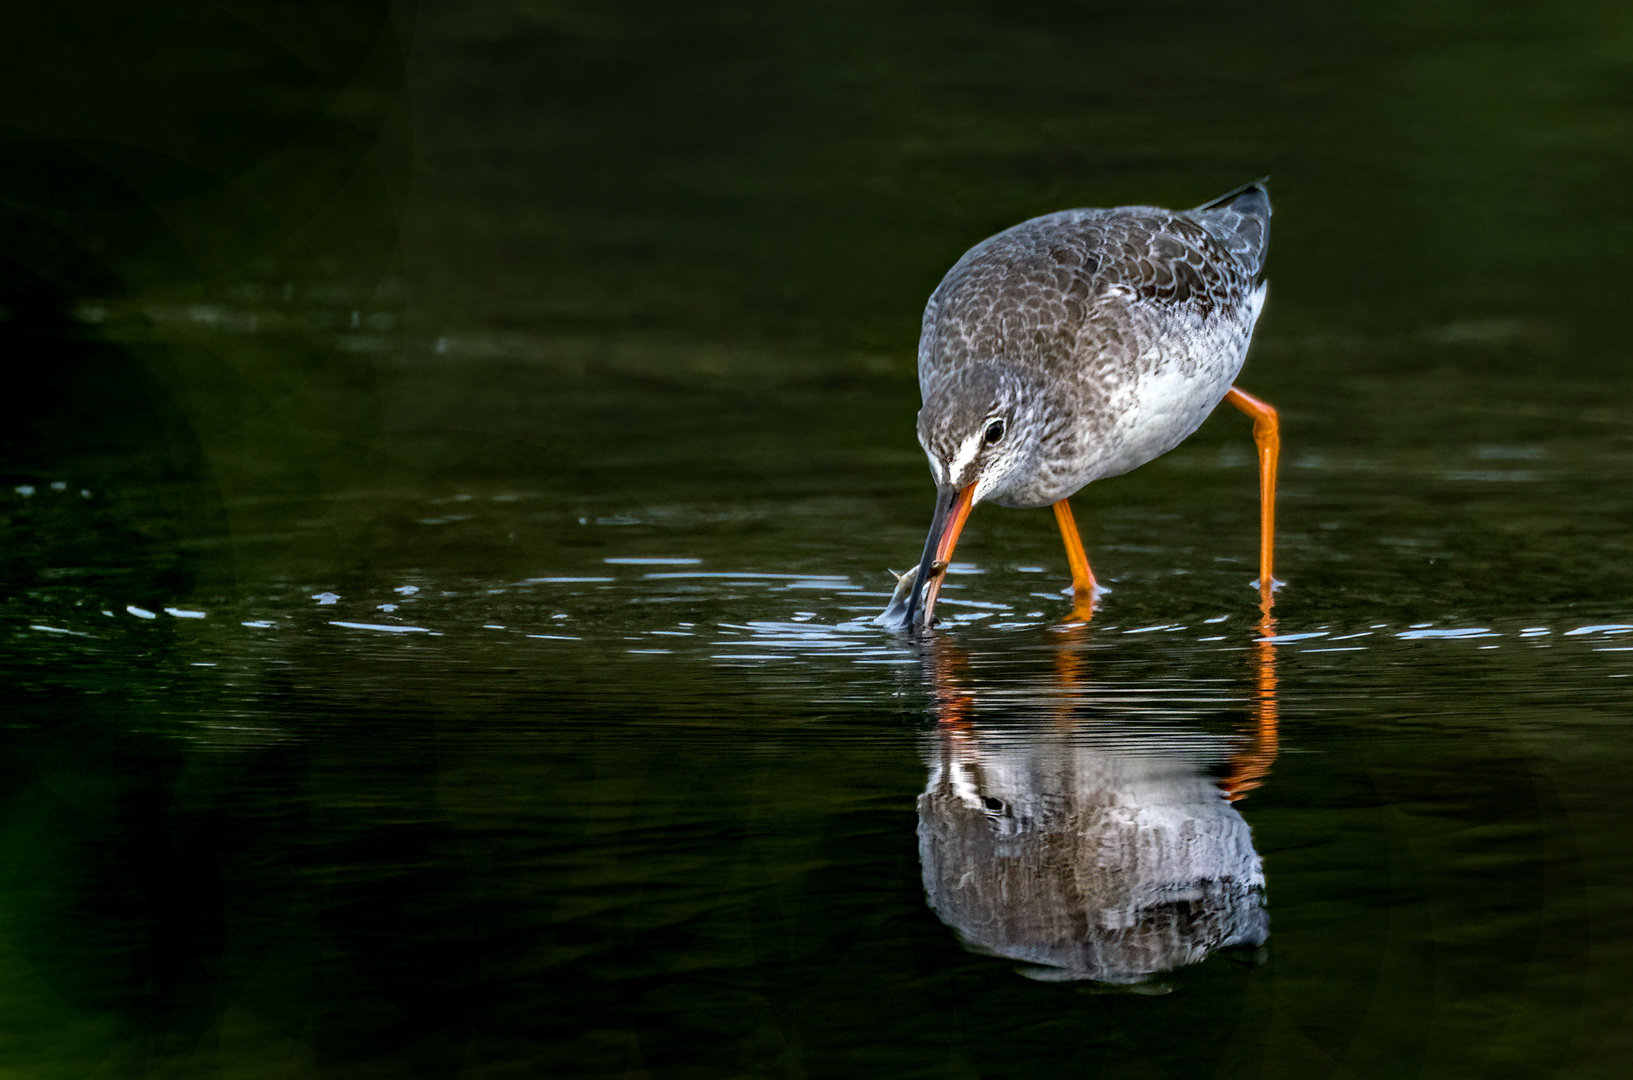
x: 1267, y: 436
x: 1083, y: 586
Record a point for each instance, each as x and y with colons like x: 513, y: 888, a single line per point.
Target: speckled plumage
x: 1103, y: 338
x: 1080, y: 345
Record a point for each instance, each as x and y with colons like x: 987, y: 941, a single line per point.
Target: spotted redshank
x: 1081, y: 345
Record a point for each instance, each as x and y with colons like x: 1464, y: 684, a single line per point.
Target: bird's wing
x: 1042, y: 291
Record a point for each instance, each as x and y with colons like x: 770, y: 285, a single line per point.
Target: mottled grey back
x: 1080, y: 287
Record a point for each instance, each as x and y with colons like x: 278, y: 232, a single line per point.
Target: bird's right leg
x: 1083, y: 587
x: 1267, y: 436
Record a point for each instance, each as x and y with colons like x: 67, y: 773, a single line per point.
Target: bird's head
x: 983, y: 425
x: 986, y: 429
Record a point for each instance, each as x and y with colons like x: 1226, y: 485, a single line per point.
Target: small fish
x: 894, y: 616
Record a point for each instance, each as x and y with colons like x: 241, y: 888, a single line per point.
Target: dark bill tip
x: 913, y: 606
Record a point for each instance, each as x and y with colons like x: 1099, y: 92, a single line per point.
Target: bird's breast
x: 1123, y: 408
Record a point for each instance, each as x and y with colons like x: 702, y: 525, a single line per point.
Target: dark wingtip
x: 1241, y: 219
x: 1253, y: 198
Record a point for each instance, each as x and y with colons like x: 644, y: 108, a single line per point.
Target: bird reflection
x: 1084, y: 847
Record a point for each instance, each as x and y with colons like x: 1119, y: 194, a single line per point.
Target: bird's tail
x: 1241, y: 219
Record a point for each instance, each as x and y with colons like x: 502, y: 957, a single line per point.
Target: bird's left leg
x: 1083, y: 587
x: 1267, y: 436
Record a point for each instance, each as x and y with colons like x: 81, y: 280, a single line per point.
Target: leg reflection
x: 1249, y: 766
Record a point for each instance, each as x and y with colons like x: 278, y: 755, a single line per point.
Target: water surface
x: 451, y: 467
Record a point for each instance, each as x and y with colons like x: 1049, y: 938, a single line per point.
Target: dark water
x: 452, y: 457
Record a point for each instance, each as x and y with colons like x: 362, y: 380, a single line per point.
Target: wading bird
x: 1081, y: 345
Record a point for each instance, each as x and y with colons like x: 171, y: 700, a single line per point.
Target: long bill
x: 952, y: 509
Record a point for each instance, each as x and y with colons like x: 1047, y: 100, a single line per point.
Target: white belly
x: 1156, y: 414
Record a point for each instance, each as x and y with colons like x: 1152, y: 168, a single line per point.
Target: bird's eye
x: 994, y: 432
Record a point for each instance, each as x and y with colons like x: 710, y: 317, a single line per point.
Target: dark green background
x: 466, y: 298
